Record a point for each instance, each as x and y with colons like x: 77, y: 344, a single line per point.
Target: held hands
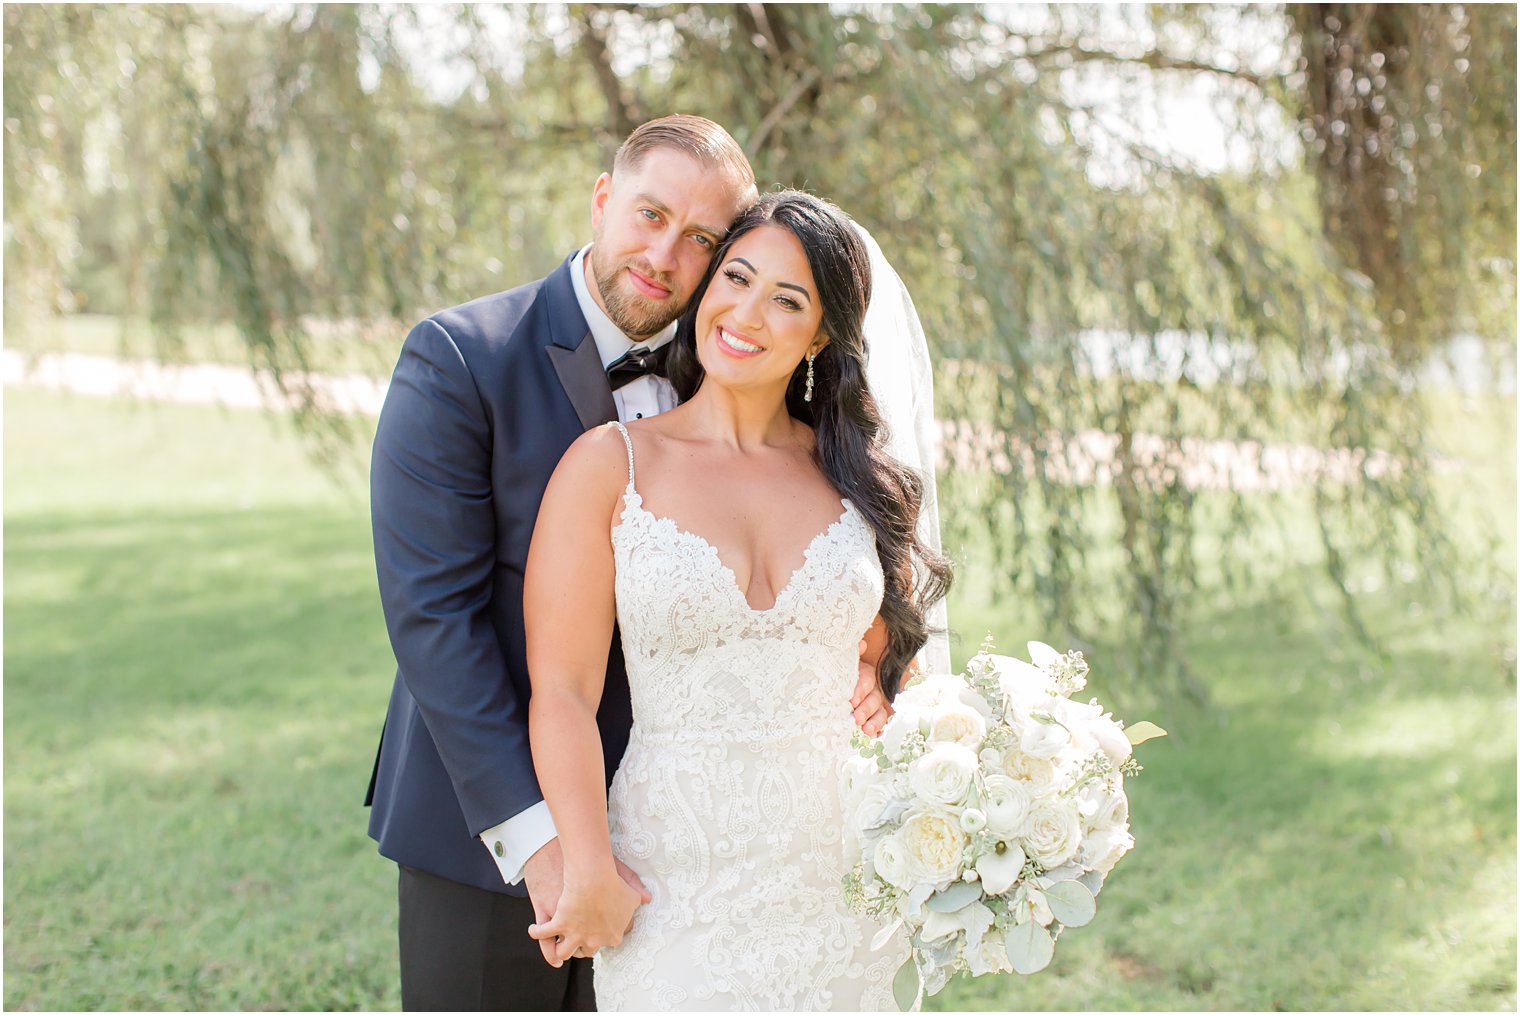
x: 871, y: 708
x: 592, y: 915
x: 544, y: 874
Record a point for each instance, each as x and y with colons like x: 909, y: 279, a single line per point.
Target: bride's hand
x: 589, y: 916
x: 870, y: 707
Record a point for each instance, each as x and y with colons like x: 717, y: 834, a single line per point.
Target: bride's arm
x: 568, y: 610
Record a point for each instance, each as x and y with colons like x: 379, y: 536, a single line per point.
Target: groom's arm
x: 435, y: 556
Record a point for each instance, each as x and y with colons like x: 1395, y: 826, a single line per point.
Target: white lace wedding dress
x: 727, y: 802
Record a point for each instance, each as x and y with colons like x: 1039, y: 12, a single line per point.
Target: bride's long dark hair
x: 851, y: 443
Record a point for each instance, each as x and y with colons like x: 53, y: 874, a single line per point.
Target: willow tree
x: 1107, y: 314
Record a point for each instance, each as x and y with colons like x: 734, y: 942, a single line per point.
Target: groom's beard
x: 635, y: 315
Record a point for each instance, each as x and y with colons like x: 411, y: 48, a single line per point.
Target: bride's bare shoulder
x: 595, y: 465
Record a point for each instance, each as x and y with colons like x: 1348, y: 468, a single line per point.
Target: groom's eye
x: 649, y: 214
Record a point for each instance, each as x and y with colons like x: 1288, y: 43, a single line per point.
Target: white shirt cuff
x: 513, y: 842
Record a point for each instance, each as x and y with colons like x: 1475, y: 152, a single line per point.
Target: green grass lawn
x: 196, y: 673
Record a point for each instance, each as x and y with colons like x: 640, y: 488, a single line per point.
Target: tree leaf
x: 1071, y: 903
x: 957, y: 896
x: 1030, y: 948
x: 1143, y: 731
x: 905, y: 986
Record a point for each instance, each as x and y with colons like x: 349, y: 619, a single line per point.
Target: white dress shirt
x: 515, y: 840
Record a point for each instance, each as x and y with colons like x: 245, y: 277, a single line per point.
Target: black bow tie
x: 635, y: 363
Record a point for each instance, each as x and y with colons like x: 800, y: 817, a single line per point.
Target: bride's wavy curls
x: 851, y: 440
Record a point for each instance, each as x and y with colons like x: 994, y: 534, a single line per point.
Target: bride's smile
x: 761, y: 314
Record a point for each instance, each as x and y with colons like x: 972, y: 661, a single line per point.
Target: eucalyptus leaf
x: 1142, y: 731
x: 957, y: 896
x: 1071, y: 903
x: 1030, y: 948
x: 905, y: 986
x: 1093, y: 880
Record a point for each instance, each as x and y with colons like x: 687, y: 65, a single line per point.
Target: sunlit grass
x: 196, y: 673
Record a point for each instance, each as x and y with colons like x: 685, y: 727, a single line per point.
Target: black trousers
x: 466, y: 949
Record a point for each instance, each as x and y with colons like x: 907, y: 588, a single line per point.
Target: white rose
x: 1055, y: 830
x: 1102, y: 849
x: 1109, y: 809
x: 933, y: 842
x: 1007, y: 803
x: 943, y: 774
x: 892, y: 862
x: 904, y: 721
x: 1044, y: 739
x: 990, y: 957
x: 1037, y: 772
x: 957, y: 723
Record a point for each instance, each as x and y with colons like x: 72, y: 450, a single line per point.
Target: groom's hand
x: 544, y: 874
x: 871, y: 707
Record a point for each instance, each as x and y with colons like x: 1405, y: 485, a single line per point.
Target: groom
x: 484, y: 400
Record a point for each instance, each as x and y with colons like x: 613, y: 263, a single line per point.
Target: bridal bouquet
x: 987, y: 814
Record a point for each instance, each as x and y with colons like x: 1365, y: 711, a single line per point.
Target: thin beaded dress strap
x: 628, y: 443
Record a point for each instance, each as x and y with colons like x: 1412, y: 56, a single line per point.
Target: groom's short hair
x: 697, y: 136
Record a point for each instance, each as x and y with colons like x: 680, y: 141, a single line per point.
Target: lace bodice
x: 727, y: 801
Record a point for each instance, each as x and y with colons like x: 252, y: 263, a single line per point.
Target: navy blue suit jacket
x: 484, y: 400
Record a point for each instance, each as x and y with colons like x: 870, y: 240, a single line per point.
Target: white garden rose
x: 957, y: 723
x: 904, y: 720
x: 870, y: 804
x: 933, y: 842
x: 1055, y: 831
x: 892, y: 863
x: 1044, y: 739
x: 1037, y: 772
x: 990, y: 957
x: 943, y: 774
x: 1007, y: 803
x: 1103, y: 848
x: 857, y: 774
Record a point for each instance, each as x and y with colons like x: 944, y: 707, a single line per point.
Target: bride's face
x: 760, y: 315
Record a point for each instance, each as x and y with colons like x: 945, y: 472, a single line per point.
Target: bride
x: 744, y: 543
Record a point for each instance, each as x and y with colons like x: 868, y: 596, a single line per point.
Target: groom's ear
x: 600, y: 193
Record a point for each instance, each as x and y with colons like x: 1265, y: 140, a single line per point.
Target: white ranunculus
x: 1102, y: 849
x: 1044, y: 739
x: 933, y: 842
x: 1007, y: 803
x: 1055, y: 831
x: 957, y: 723
x: 943, y: 774
x: 998, y: 871
x: 973, y: 819
x: 892, y: 862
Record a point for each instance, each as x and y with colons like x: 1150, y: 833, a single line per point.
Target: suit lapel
x: 573, y: 353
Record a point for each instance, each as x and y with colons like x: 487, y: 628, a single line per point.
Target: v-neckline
x: 637, y: 501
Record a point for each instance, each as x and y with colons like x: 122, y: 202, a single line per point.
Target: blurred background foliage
x: 1106, y: 306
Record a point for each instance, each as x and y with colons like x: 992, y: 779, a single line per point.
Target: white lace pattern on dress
x: 727, y: 803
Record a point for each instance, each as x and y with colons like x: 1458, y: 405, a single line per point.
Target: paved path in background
x: 199, y: 384
x: 1087, y: 457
